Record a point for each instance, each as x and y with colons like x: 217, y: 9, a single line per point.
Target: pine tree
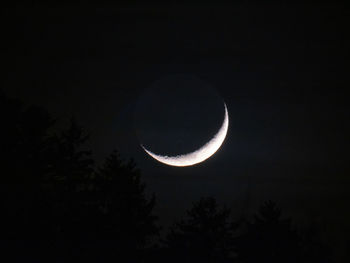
x: 115, y: 214
x: 23, y: 144
x: 205, y: 236
x: 269, y: 238
x: 69, y: 168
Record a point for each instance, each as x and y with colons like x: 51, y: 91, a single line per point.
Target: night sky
x: 280, y: 69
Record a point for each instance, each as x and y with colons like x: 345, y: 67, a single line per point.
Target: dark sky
x: 281, y: 69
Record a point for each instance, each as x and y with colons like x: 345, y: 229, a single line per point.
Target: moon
x: 198, y: 156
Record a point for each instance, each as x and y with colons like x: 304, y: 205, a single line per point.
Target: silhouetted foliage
x: 123, y: 199
x: 23, y: 136
x: 69, y: 162
x: 51, y: 191
x: 115, y: 209
x: 70, y: 166
x: 205, y: 236
x: 314, y: 249
x: 56, y: 206
x: 273, y: 239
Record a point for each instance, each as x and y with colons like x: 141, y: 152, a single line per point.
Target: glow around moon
x: 199, y: 155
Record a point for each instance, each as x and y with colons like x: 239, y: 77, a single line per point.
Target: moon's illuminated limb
x: 199, y: 155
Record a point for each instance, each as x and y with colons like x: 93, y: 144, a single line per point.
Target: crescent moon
x: 199, y: 155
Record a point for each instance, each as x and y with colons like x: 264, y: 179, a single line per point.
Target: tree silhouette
x: 56, y: 206
x: 102, y: 214
x: 205, y: 236
x: 69, y: 162
x: 269, y: 238
x: 116, y: 210
x: 123, y: 198
x: 52, y: 193
x: 69, y: 167
x: 314, y: 249
x: 23, y: 139
x: 25, y: 211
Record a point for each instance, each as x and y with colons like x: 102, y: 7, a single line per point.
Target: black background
x: 281, y: 69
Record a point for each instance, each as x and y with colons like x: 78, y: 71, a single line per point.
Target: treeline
x: 57, y: 205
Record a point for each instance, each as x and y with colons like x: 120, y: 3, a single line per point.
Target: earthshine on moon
x: 199, y: 155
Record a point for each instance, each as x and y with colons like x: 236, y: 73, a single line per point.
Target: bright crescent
x: 199, y: 155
